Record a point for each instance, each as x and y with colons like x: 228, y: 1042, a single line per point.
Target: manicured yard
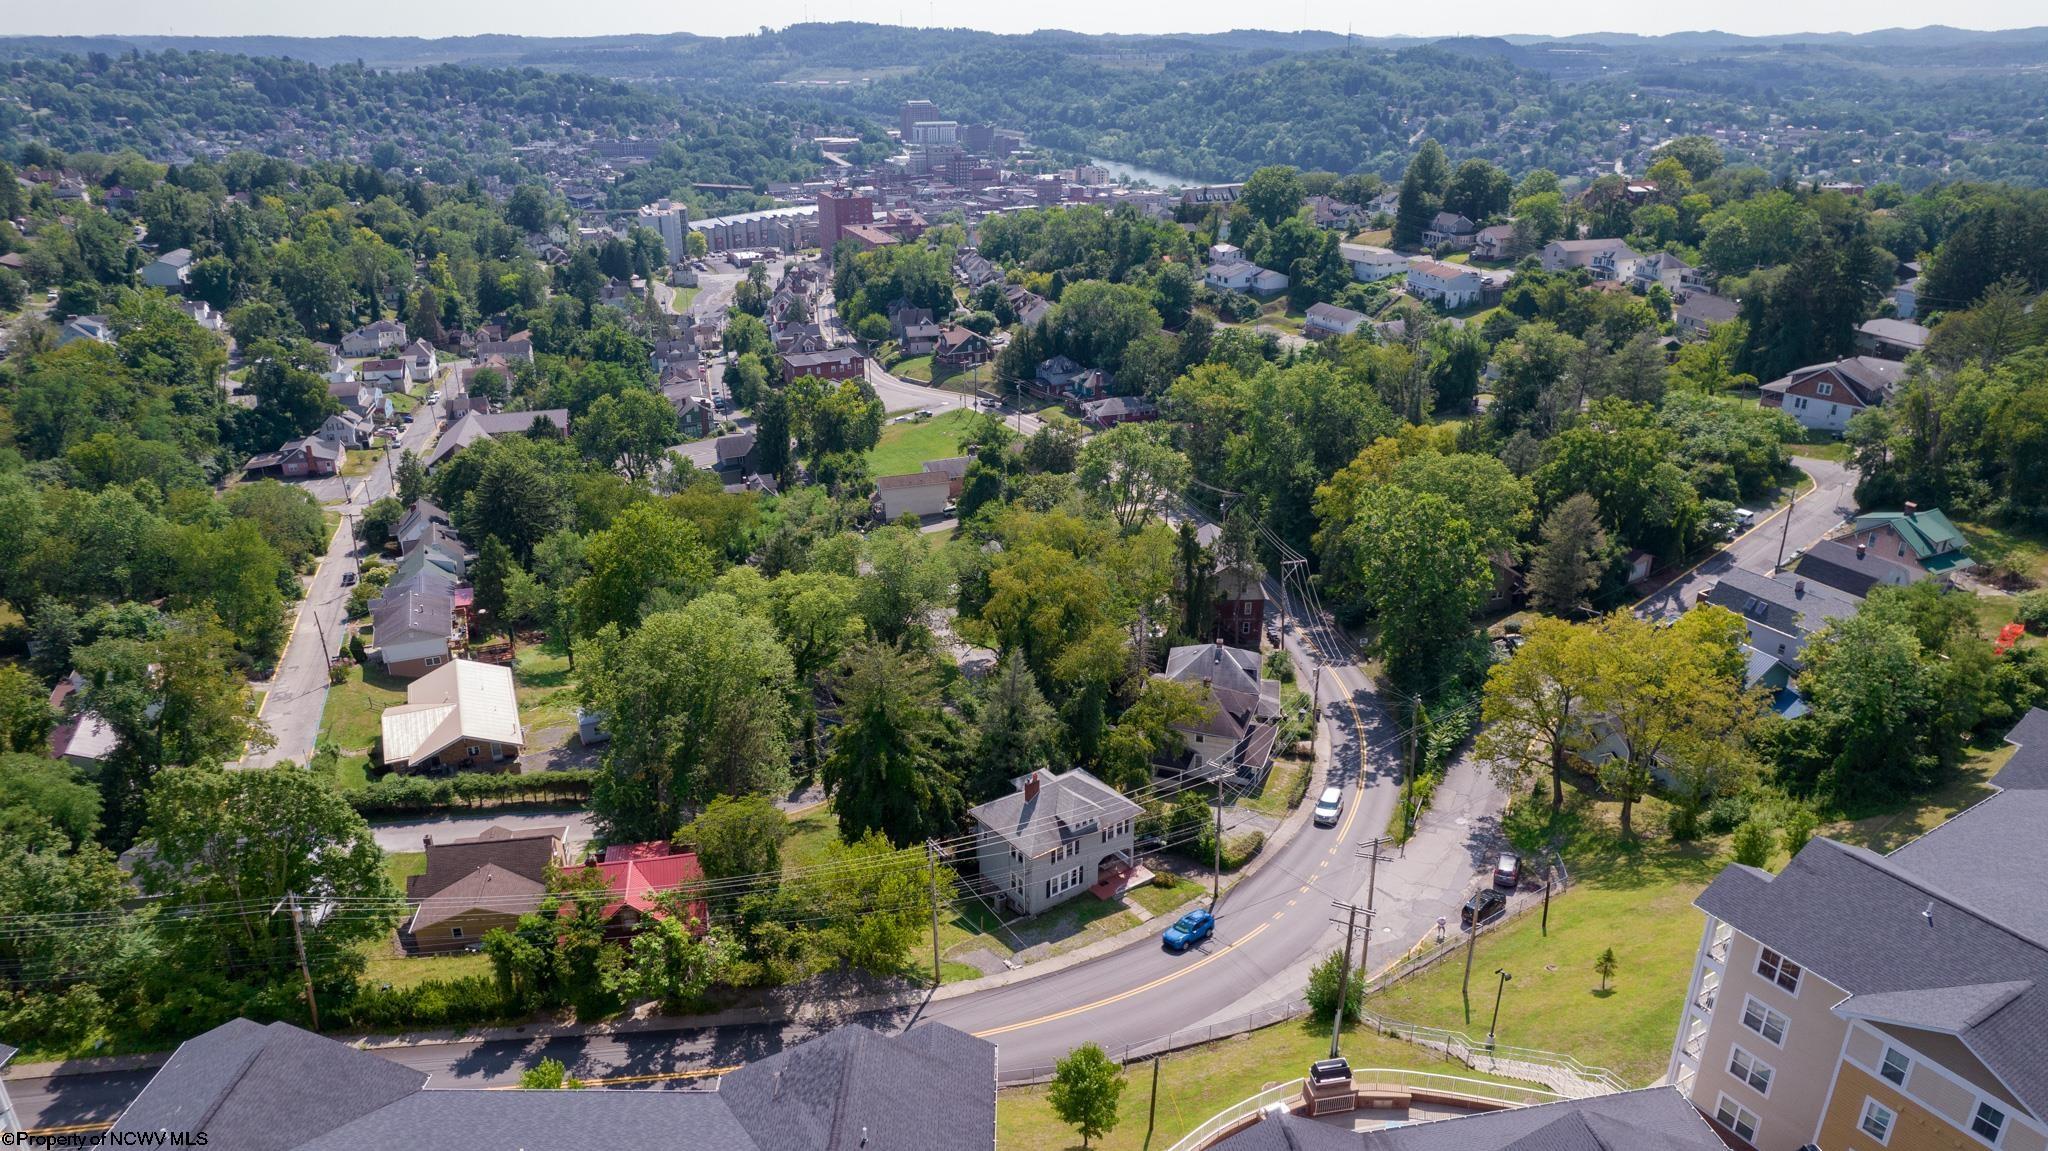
x: 361, y: 462
x: 387, y: 966
x: 906, y: 446
x: 1199, y: 1082
x: 1834, y: 450
x: 918, y: 368
x: 810, y: 838
x: 402, y: 865
x: 1635, y: 899
x: 353, y: 717
x: 1161, y: 897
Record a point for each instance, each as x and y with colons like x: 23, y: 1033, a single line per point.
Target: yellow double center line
x: 1120, y: 996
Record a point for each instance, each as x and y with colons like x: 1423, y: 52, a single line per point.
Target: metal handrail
x: 1366, y: 1078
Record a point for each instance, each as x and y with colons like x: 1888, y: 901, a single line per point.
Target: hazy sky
x: 551, y: 17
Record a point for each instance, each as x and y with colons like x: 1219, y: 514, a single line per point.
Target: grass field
x: 1277, y: 796
x: 1636, y: 899
x: 353, y: 717
x: 1835, y: 451
x: 906, y: 446
x: 546, y: 696
x: 917, y: 368
x: 2024, y: 550
x: 1197, y: 1083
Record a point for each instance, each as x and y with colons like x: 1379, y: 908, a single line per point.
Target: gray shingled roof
x: 278, y: 1088
x: 1779, y: 606
x: 1836, y: 564
x: 1652, y: 1119
x: 1856, y: 919
x: 1068, y: 805
x: 2028, y: 768
x: 257, y: 1088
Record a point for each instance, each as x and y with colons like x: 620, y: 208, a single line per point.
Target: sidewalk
x: 1456, y: 843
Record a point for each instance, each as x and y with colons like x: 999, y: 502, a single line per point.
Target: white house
x: 422, y: 362
x: 374, y: 339
x: 1331, y: 320
x: 1448, y: 286
x: 1824, y: 397
x: 1606, y: 259
x: 1229, y: 271
x: 669, y: 219
x: 1055, y: 837
x: 916, y: 494
x: 170, y: 271
x: 1369, y: 263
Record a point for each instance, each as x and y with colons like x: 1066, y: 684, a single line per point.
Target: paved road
x: 1818, y: 512
x: 297, y: 691
x: 1271, y: 927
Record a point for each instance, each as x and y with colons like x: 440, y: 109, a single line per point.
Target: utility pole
x: 1786, y: 537
x: 1351, y: 912
x: 291, y: 900
x: 931, y: 859
x: 1216, y: 881
x: 1546, y: 902
x: 1369, y: 851
x: 1471, y: 942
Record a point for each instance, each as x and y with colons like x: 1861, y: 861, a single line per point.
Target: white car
x: 1329, y: 806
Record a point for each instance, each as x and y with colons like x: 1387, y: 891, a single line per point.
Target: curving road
x: 1270, y: 929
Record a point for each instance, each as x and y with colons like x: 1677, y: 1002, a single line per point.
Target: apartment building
x: 1858, y: 1002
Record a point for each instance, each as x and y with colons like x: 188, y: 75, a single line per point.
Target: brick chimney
x: 1911, y: 507
x: 1031, y: 788
x: 1861, y: 548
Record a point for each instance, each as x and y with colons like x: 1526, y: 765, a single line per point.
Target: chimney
x: 1861, y: 547
x: 1911, y: 507
x: 1031, y: 788
x: 1799, y: 588
x: 426, y: 841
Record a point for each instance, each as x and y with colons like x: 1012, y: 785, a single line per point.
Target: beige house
x: 913, y: 494
x: 473, y: 885
x: 462, y: 714
x: 1857, y: 1001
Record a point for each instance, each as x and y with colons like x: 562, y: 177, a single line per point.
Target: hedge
x: 406, y: 794
x: 466, y: 1001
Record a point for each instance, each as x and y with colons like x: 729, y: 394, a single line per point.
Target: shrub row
x: 405, y: 794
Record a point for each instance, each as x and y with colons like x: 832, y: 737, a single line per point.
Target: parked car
x: 1329, y: 806
x: 1508, y: 872
x: 1483, y: 907
x: 1193, y: 928
x: 348, y: 579
x: 1744, y: 518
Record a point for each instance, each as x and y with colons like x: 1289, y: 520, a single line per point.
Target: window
x: 1059, y: 883
x: 1750, y: 1070
x: 455, y: 933
x: 432, y: 660
x: 1737, y: 1118
x: 1988, y: 1123
x: 1764, y: 1021
x: 1877, y: 1120
x: 474, y: 751
x: 1895, y: 1065
x: 1824, y: 388
x: 1778, y: 970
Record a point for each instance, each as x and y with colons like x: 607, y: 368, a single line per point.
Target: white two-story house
x: 1055, y: 837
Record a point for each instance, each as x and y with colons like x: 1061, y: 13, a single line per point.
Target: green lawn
x: 402, y: 865
x: 810, y: 839
x: 546, y: 696
x: 361, y: 462
x: 1636, y: 899
x: 1161, y: 896
x: 683, y: 299
x: 1278, y: 796
x: 917, y: 368
x: 353, y: 718
x: 1888, y: 830
x: 2018, y: 548
x: 1834, y: 450
x: 1201, y: 1081
x: 906, y: 446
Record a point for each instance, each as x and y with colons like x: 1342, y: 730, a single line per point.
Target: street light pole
x: 1498, y: 989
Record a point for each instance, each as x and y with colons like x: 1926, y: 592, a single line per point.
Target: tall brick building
x: 840, y: 208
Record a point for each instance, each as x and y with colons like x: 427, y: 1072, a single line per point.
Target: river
x: 1118, y: 170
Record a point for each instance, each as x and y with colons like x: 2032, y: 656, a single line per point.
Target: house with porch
x: 1825, y: 397
x: 1234, y: 735
x: 1057, y: 835
x: 476, y: 884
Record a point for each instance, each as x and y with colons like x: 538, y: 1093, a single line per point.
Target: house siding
x: 1806, y: 1060
x: 440, y: 938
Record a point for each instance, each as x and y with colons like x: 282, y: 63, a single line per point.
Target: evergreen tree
x: 1422, y: 190
x: 1018, y: 734
x: 1569, y: 558
x: 887, y: 771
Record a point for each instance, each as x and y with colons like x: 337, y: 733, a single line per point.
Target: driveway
x: 1816, y: 513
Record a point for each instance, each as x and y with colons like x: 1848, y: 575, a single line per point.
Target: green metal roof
x: 1932, y: 535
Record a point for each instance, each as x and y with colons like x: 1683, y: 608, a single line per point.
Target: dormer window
x: 1824, y: 388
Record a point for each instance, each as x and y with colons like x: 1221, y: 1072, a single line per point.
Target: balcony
x: 1695, y: 1039
x: 1717, y: 951
x: 1710, y: 991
